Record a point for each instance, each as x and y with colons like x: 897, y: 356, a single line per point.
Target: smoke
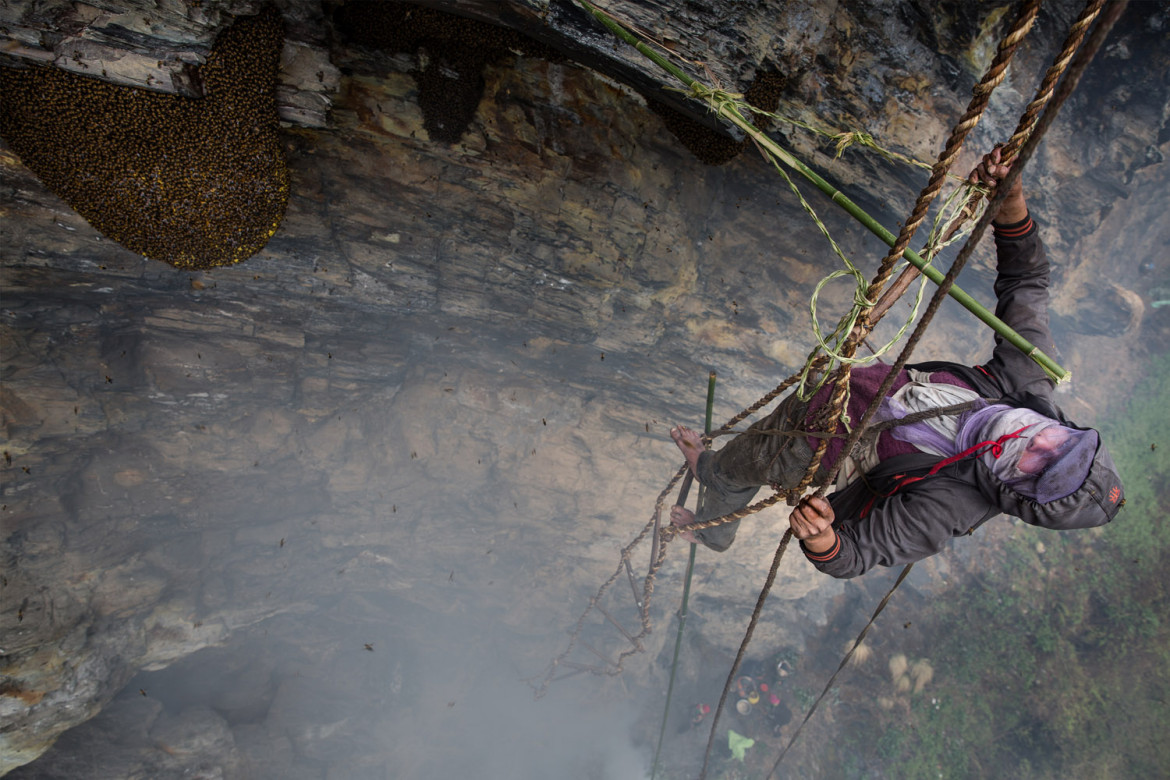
x: 335, y: 694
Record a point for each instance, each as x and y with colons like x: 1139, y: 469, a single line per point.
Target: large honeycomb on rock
x: 196, y: 183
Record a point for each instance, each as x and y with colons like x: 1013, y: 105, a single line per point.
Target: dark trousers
x: 767, y: 453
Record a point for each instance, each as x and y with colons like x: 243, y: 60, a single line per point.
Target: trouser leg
x: 761, y: 455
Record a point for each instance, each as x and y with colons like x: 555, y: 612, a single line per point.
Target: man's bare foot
x: 690, y: 443
x: 680, y: 517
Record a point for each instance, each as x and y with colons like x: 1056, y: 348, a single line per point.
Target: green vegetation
x: 1135, y: 438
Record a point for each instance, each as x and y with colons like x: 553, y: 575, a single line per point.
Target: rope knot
x: 845, y: 140
x: 720, y: 102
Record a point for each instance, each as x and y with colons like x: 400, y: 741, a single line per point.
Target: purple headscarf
x: 1066, y: 470
x: 1010, y: 428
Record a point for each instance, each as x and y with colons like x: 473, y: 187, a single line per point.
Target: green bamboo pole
x: 729, y: 111
x: 682, y: 612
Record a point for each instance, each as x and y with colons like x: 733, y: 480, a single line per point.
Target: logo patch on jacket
x: 1114, y: 494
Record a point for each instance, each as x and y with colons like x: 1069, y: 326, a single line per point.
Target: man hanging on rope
x: 1001, y: 446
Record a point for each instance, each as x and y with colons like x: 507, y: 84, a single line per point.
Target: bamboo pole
x: 729, y: 111
x: 682, y: 612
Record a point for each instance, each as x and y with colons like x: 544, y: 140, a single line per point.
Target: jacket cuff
x: 827, y: 555
x: 1015, y: 231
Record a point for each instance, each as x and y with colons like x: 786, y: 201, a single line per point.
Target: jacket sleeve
x: 913, y: 524
x: 1021, y: 289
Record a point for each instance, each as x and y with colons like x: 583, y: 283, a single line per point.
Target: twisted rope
x: 1075, y: 71
x: 834, y: 408
x: 982, y: 95
x: 1024, y: 128
x: 1029, y: 119
x: 980, y: 99
x: 668, y: 533
x: 818, y: 361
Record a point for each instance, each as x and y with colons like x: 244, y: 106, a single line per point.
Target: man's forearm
x: 1013, y: 210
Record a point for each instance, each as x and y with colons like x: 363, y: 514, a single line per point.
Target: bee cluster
x: 450, y: 78
x: 196, y: 183
x: 709, y: 145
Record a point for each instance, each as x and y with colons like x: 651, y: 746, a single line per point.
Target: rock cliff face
x: 427, y: 415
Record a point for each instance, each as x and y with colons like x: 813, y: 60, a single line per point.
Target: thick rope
x: 968, y: 121
x: 1024, y: 128
x: 982, y: 94
x: 1075, y: 71
x: 1028, y: 120
x: 1083, y: 58
x: 844, y: 662
x: 834, y: 408
x: 667, y: 533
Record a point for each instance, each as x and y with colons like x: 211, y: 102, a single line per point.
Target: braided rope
x: 817, y: 361
x: 982, y: 94
x: 836, y: 403
x: 1047, y: 86
x: 1024, y: 128
x: 835, y: 407
x: 1075, y: 71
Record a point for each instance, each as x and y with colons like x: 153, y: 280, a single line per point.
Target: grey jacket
x: 877, y: 525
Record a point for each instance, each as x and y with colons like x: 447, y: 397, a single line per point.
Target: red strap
x: 976, y: 449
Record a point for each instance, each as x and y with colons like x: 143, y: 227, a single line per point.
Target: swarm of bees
x: 196, y: 183
x: 710, y: 146
x: 451, y: 84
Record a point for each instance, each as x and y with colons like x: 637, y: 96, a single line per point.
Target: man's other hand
x: 812, y: 523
